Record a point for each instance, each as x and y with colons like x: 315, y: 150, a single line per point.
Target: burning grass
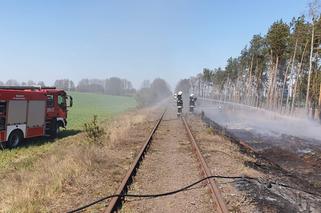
x: 72, y: 171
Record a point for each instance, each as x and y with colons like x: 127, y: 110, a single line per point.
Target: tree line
x: 279, y: 71
x: 111, y: 86
x: 12, y: 82
x: 149, y: 93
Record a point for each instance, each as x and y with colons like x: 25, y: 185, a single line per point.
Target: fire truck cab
x: 27, y: 112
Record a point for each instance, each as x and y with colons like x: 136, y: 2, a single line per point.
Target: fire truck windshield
x: 62, y: 101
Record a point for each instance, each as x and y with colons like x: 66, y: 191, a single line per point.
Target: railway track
x: 215, y: 193
x: 116, y: 203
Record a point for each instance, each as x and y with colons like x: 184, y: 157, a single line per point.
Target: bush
x: 93, y: 131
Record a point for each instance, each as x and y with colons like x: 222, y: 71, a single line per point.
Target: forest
x: 279, y: 71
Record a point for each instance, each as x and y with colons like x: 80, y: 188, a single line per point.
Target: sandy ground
x: 169, y: 165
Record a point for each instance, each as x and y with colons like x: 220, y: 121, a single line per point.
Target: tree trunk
x: 297, y: 78
x: 268, y: 102
x: 274, y: 86
x: 250, y: 82
x: 313, y: 110
x: 258, y: 83
x: 310, y: 70
x: 283, y: 86
x: 292, y: 66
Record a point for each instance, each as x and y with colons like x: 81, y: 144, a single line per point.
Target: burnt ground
x: 299, y: 157
x: 283, y: 159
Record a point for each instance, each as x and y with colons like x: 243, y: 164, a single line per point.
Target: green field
x: 86, y: 105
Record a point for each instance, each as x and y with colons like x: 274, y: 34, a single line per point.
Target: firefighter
x: 192, y: 101
x: 179, y: 103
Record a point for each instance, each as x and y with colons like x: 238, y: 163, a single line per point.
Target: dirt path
x: 168, y: 165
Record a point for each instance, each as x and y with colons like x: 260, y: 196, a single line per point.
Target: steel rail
x: 116, y: 202
x: 215, y: 192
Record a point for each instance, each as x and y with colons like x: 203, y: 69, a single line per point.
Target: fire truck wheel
x: 15, y: 139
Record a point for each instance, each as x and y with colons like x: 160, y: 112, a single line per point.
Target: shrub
x: 93, y: 131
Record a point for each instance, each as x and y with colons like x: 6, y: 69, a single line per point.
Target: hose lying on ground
x: 268, y: 184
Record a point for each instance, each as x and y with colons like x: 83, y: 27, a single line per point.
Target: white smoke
x: 236, y: 116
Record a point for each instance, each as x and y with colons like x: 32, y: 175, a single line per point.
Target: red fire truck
x: 27, y: 112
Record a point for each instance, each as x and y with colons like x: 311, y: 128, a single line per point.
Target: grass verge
x: 73, y: 171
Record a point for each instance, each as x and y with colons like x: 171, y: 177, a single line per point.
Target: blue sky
x: 133, y: 39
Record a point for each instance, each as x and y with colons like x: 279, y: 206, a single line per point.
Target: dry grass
x: 120, y: 129
x: 74, y: 171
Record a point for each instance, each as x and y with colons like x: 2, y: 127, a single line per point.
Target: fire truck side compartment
x: 17, y: 116
x: 36, y: 114
x: 17, y: 112
x: 36, y: 118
